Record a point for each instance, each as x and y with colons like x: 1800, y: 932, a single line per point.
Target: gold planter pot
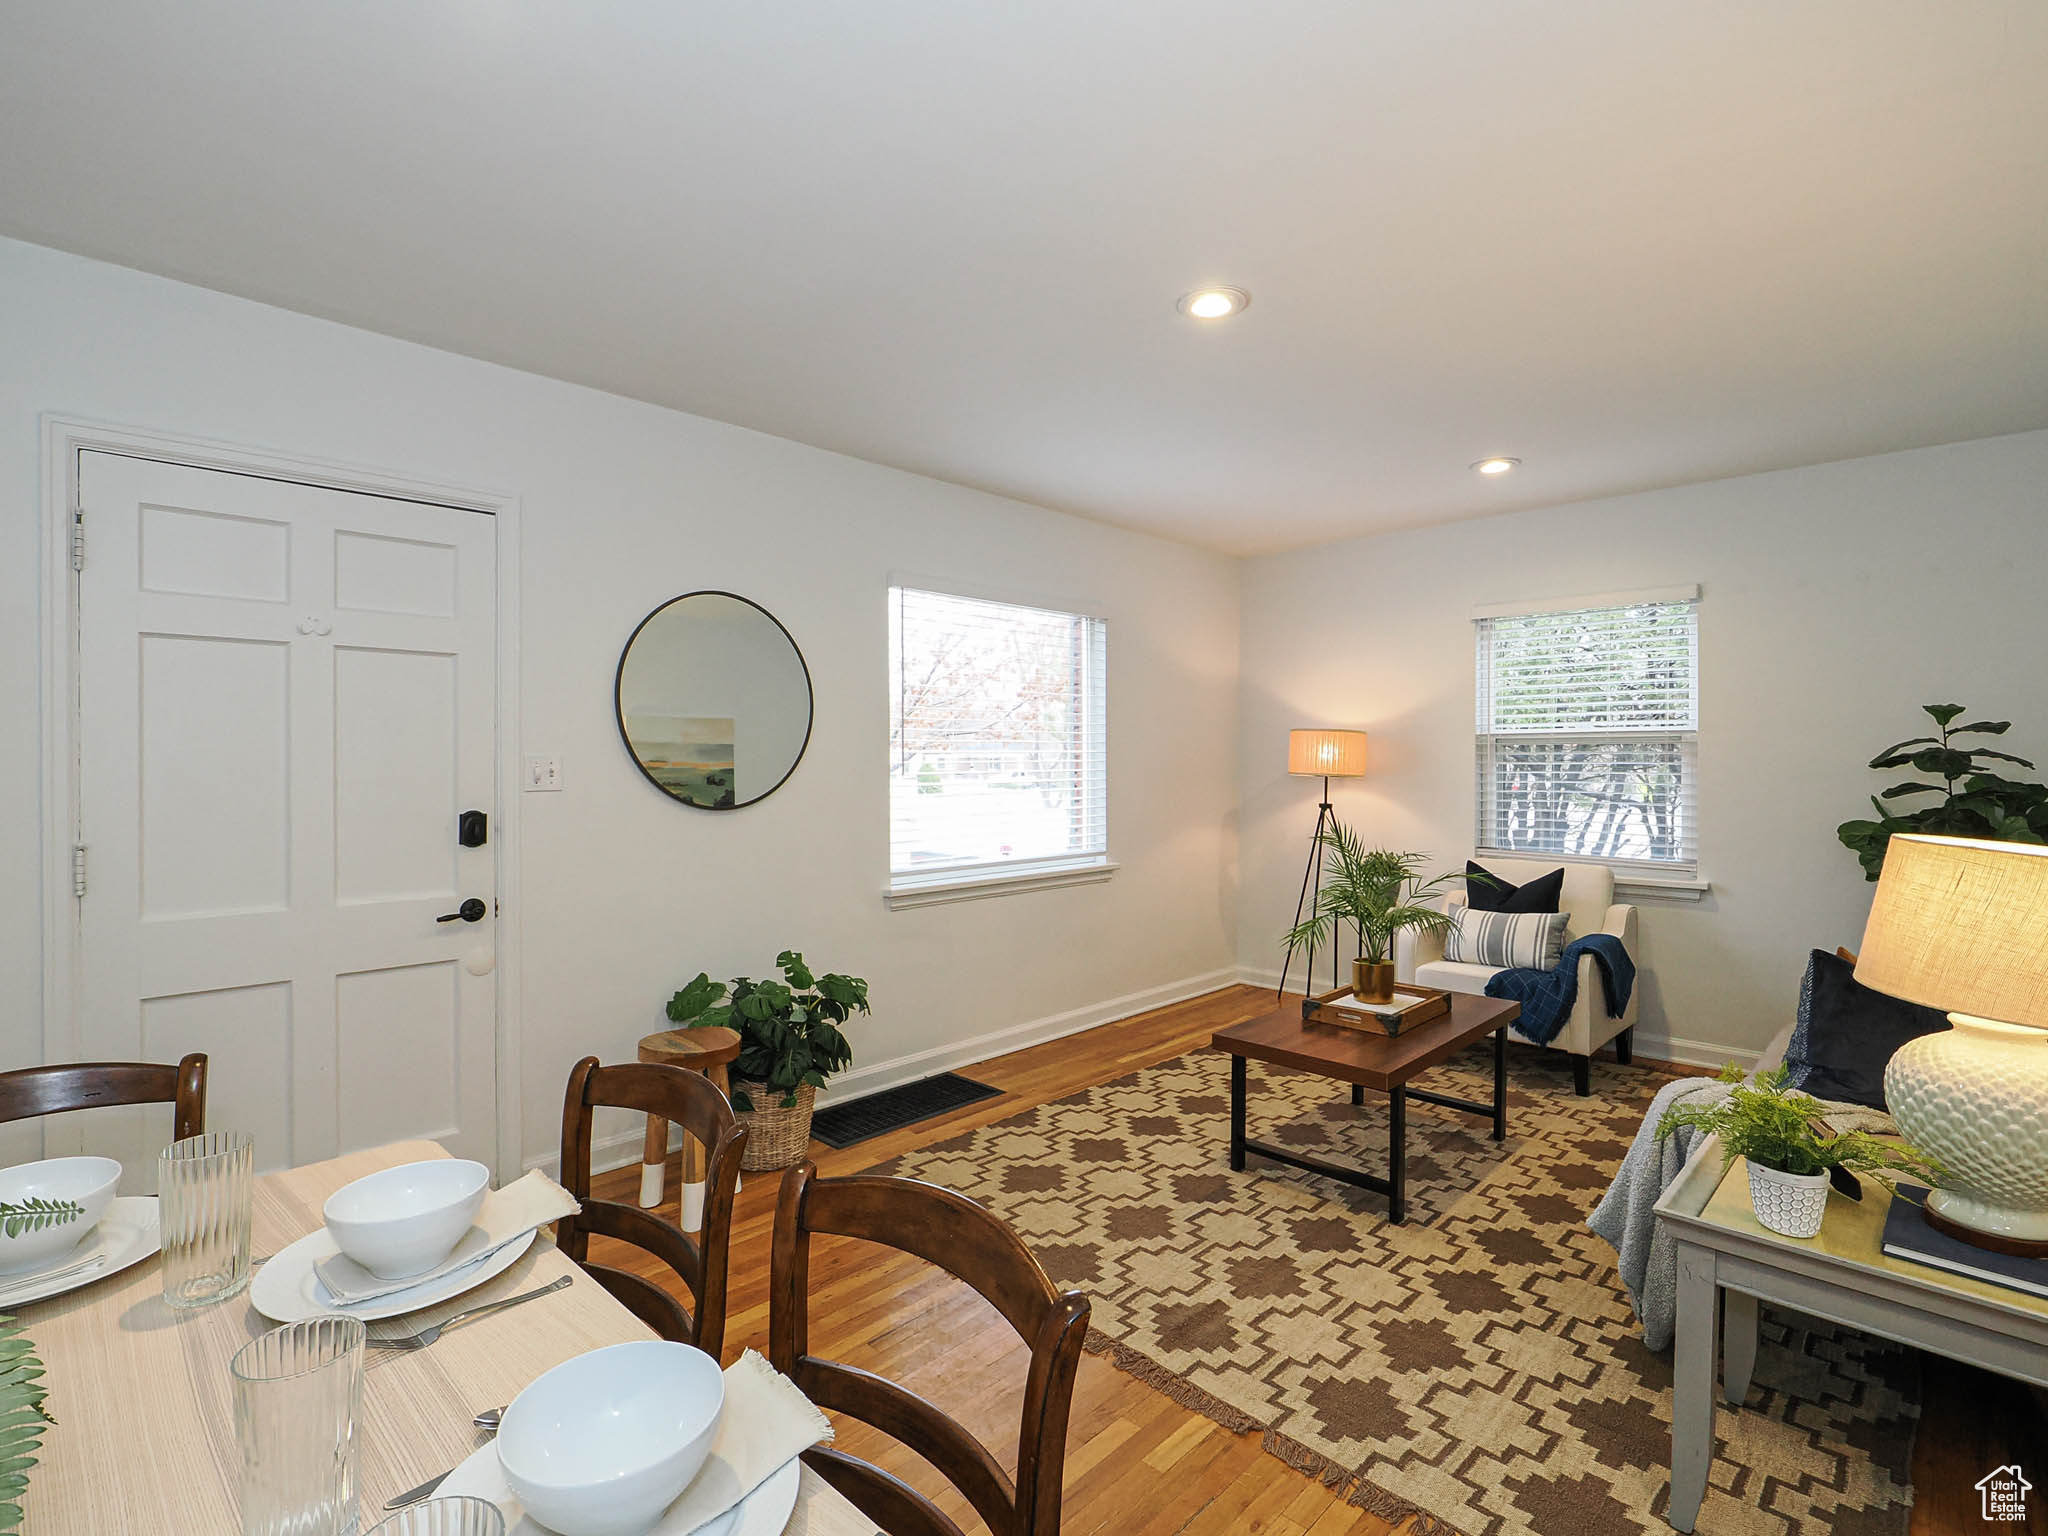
x: 1373, y: 983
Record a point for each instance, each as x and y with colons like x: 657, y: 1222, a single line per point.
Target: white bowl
x: 84, y: 1181
x: 405, y: 1220
x: 602, y: 1444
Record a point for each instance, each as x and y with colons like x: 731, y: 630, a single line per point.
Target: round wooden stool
x: 694, y: 1050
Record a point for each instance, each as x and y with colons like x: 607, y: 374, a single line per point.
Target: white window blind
x: 1588, y: 734
x: 997, y: 760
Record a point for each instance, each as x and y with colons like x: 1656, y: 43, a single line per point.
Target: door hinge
x: 78, y: 540
x: 78, y: 869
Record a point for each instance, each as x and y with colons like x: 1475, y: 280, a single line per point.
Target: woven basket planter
x: 777, y: 1137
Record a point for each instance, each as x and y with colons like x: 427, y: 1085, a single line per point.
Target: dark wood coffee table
x: 1367, y: 1059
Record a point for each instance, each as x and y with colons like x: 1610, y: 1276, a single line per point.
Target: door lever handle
x: 471, y: 911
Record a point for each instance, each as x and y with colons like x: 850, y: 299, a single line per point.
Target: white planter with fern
x: 1790, y: 1204
x: 1784, y: 1138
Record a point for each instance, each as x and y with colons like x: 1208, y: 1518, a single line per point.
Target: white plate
x: 287, y: 1291
x: 764, y: 1512
x: 126, y: 1235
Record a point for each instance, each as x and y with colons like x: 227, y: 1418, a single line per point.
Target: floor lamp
x: 1332, y: 755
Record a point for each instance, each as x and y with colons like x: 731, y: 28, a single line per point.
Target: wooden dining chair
x: 972, y: 1244
x: 33, y: 1091
x: 689, y: 1100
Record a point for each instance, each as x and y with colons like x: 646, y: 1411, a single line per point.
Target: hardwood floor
x: 1138, y: 1464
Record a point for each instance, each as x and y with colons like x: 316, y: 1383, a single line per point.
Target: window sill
x: 1660, y: 887
x: 933, y: 890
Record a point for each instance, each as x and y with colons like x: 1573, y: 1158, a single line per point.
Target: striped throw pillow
x: 1528, y: 939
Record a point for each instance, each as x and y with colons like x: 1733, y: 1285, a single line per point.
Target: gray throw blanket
x: 1646, y: 1256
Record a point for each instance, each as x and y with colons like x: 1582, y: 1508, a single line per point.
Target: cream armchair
x: 1589, y: 897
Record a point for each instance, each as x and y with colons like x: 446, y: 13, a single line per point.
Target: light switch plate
x: 543, y: 775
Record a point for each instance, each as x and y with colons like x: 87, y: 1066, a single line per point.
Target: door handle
x: 471, y: 911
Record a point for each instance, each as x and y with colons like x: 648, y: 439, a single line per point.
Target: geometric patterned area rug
x: 1477, y: 1367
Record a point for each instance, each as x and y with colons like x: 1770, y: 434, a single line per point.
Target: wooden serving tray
x: 1413, y: 1004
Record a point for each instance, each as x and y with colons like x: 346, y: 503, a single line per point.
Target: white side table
x: 1728, y: 1263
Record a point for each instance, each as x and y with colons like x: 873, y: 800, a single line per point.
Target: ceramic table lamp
x: 1963, y: 925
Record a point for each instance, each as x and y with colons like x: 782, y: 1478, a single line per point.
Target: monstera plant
x: 1976, y: 800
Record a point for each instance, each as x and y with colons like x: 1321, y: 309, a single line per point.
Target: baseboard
x: 617, y: 1151
x: 1693, y: 1053
x: 862, y: 1081
x: 1673, y: 1048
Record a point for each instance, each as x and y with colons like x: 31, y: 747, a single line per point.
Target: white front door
x: 286, y: 700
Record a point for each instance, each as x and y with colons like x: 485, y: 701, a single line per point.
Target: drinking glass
x: 206, y: 1192
x: 445, y: 1517
x: 298, y: 1393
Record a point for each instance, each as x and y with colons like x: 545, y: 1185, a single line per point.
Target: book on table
x: 1908, y: 1236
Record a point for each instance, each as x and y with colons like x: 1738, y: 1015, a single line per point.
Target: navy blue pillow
x: 1847, y: 1033
x: 1487, y: 892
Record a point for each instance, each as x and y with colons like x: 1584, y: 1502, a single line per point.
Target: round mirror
x: 714, y: 700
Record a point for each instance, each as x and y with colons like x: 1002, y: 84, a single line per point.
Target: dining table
x: 144, y: 1439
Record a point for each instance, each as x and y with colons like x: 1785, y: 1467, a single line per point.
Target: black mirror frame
x: 619, y: 703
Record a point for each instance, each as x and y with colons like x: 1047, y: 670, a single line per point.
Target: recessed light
x: 1214, y: 303
x: 1496, y: 466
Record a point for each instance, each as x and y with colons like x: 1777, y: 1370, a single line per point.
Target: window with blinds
x: 1588, y: 734
x: 997, y: 760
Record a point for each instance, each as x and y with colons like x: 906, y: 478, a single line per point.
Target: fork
x: 434, y: 1331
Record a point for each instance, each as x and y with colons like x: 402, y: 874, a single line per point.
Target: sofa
x: 1588, y: 896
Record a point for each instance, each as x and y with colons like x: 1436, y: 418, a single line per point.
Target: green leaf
x: 741, y: 1101
x: 2001, y: 757
x: 1948, y: 762
x: 1896, y: 753
x: 37, y: 1215
x: 695, y: 998
x: 1943, y: 713
x: 1986, y: 727
x: 1913, y: 787
x: 793, y: 967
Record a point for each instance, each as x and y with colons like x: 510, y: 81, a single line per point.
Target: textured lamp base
x: 1975, y: 1099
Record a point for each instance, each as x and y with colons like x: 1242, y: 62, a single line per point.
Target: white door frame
x: 64, y: 438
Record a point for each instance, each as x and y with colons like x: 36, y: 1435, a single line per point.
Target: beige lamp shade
x: 1963, y: 926
x: 1336, y: 754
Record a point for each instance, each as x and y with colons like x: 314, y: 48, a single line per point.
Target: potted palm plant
x: 1779, y: 1132
x: 790, y: 1042
x: 1377, y: 891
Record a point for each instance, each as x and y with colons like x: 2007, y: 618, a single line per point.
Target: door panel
x: 424, y: 1003
x: 204, y: 554
x: 246, y: 1033
x: 286, y: 696
x: 395, y: 769
x: 215, y: 771
x: 373, y: 574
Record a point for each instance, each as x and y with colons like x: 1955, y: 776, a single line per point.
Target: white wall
x: 625, y: 505
x: 1837, y: 599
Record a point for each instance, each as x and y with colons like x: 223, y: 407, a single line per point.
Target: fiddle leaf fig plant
x: 1376, y: 889
x: 1976, y: 800
x: 1769, y: 1123
x: 789, y: 1029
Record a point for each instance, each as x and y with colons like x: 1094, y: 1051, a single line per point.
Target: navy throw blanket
x: 1547, y: 996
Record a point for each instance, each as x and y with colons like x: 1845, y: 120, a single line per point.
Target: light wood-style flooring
x: 1138, y: 1464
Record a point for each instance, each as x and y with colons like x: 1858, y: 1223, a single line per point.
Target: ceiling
x: 1633, y: 242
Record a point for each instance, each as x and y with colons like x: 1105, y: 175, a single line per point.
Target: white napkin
x: 767, y: 1421
x: 506, y: 1215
